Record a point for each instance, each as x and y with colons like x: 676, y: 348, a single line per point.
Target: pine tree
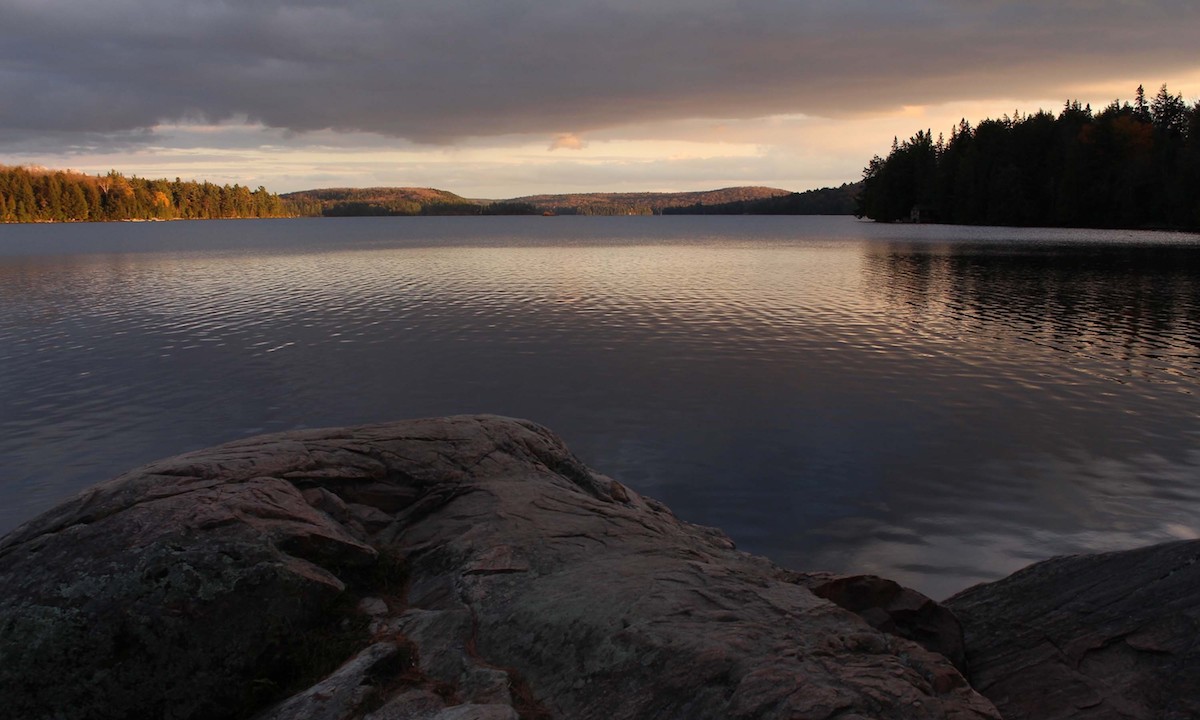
x: 1140, y: 109
x: 75, y: 204
x: 1169, y: 113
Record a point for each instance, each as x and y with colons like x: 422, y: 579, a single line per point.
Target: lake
x: 941, y: 405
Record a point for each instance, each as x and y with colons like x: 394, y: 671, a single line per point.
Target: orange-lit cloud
x: 566, y: 141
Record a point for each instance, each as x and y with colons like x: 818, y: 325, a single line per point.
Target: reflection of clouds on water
x: 1038, y: 509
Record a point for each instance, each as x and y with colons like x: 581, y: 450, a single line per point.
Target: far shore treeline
x: 32, y: 194
x: 341, y: 202
x: 40, y: 195
x: 1131, y: 165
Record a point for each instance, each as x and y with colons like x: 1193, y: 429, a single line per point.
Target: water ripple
x: 938, y: 404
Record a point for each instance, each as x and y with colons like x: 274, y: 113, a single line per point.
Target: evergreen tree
x: 1140, y: 109
x: 1128, y: 166
x: 75, y: 204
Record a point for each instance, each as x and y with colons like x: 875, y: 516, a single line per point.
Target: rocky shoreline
x: 471, y: 568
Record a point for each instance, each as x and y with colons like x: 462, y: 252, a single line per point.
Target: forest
x: 822, y: 201
x: 643, y: 203
x: 1130, y: 165
x: 386, y: 201
x: 38, y: 195
x: 340, y: 202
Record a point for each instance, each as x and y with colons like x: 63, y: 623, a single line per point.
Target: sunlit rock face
x: 465, y: 567
x: 1090, y: 637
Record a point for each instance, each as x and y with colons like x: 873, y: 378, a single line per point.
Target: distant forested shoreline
x: 1131, y: 165
x: 31, y: 194
x: 822, y: 201
x: 343, y: 202
x: 39, y: 195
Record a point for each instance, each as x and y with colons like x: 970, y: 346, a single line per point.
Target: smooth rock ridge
x: 1114, y: 636
x: 465, y: 567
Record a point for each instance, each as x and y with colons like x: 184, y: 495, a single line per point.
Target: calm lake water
x: 941, y: 405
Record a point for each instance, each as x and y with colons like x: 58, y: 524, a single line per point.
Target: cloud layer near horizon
x: 73, y: 71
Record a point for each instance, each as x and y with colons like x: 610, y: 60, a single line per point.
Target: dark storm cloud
x: 453, y: 68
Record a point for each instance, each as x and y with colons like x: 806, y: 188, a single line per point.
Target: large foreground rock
x: 462, y: 568
x: 1095, y: 637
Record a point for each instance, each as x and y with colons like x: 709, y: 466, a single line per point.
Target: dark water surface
x: 941, y: 405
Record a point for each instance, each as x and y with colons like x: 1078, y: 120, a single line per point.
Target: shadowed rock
x: 888, y: 606
x: 1094, y: 637
x: 464, y: 567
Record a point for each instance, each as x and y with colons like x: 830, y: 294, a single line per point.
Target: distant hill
x: 825, y: 201
x: 338, y: 202
x: 642, y: 203
x: 335, y: 202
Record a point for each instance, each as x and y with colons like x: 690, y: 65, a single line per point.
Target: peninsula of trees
x: 39, y: 195
x: 1131, y: 165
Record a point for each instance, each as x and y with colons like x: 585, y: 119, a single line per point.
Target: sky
x: 503, y: 98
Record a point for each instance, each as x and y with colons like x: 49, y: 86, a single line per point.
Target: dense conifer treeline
x: 1130, y: 165
x: 36, y: 195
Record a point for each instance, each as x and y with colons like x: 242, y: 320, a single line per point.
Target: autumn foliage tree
x: 39, y: 195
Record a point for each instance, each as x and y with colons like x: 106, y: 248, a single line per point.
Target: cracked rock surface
x: 1090, y: 637
x: 464, y: 568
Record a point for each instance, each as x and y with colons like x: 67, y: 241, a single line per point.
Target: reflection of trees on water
x: 1135, y: 310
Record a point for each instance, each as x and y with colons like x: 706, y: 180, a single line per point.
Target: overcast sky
x: 499, y: 98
